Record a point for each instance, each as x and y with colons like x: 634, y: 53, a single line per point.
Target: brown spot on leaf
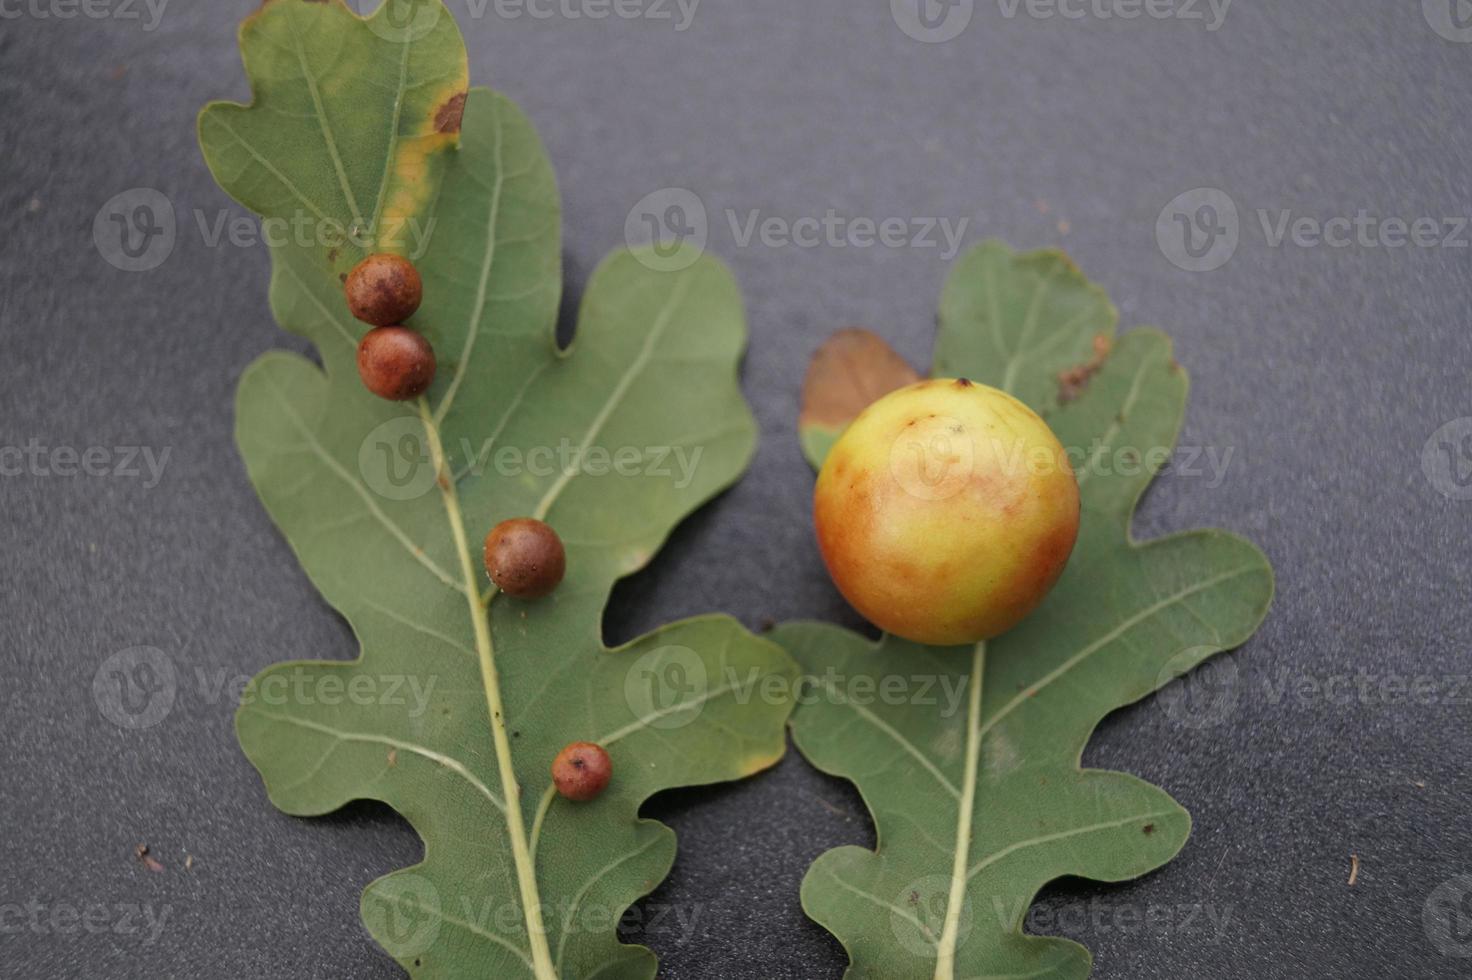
x: 853, y: 369
x: 449, y: 116
x: 1149, y: 829
x: 1073, y: 382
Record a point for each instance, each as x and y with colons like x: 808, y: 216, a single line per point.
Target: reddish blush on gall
x: 581, y: 771
x: 525, y: 558
x: 384, y: 290
x: 396, y: 363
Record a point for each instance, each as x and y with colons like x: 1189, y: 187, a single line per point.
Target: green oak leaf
x: 970, y: 763
x: 351, y: 125
x: 462, y: 696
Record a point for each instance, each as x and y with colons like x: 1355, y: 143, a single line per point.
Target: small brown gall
x: 525, y: 558
x: 581, y: 771
x: 384, y: 290
x: 396, y: 363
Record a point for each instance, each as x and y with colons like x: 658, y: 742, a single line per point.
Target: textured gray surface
x: 1324, y: 370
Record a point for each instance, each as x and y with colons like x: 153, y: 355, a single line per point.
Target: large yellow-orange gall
x: 946, y: 512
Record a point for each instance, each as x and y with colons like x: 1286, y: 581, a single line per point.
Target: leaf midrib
x: 479, y: 611
x: 349, y: 198
x: 945, y: 967
x: 393, y: 134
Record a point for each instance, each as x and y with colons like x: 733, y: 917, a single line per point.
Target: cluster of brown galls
x: 524, y: 557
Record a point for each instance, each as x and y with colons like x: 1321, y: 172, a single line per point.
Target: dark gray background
x: 1324, y: 370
